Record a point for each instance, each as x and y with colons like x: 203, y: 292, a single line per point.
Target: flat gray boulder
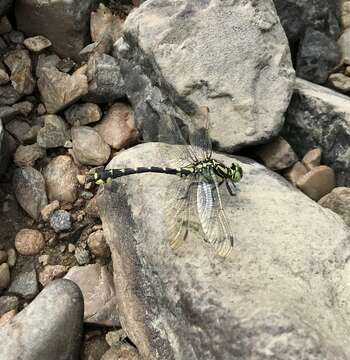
x: 318, y: 117
x: 48, y: 328
x: 283, y: 292
x: 231, y: 56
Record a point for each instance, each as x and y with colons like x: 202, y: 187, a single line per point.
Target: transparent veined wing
x: 215, y: 225
x: 180, y: 207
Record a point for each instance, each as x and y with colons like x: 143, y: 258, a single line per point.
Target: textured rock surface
x: 96, y: 284
x: 319, y: 117
x: 61, y: 182
x: 88, y: 146
x: 338, y: 200
x: 65, y: 23
x: 316, y: 20
x: 54, y: 133
x: 55, y: 317
x: 242, y: 72
x: 29, y: 242
x: 117, y: 128
x: 28, y: 155
x: 25, y: 283
x: 29, y: 187
x: 83, y: 114
x: 272, y: 295
x: 59, y: 90
x: 106, y: 83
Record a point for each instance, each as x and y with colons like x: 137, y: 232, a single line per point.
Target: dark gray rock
x: 54, y: 133
x: 318, y: 56
x: 25, y: 284
x: 8, y: 303
x: 64, y: 23
x: 29, y: 188
x: 8, y: 95
x: 5, y: 6
x: 302, y: 17
x: 283, y: 290
x: 224, y: 58
x: 7, y: 148
x: 48, y: 328
x: 320, y: 117
x: 61, y: 220
x: 105, y: 80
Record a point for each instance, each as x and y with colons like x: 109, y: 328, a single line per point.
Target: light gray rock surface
x: 319, y: 117
x: 48, y: 328
x: 283, y: 291
x: 25, y: 284
x: 232, y: 57
x: 29, y: 188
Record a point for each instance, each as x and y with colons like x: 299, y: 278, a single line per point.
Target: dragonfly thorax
x: 212, y: 170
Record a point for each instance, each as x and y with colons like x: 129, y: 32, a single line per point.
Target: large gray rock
x: 64, y: 23
x: 283, y: 293
x: 4, y: 6
x: 319, y: 117
x: 48, y: 328
x: 232, y: 57
x: 313, y: 25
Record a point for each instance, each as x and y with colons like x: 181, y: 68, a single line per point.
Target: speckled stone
x: 61, y: 220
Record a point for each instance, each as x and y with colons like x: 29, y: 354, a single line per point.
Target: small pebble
x: 16, y: 37
x: 82, y: 255
x: 87, y: 195
x: 81, y: 179
x: 4, y: 78
x: 312, y: 158
x: 29, y: 242
x: 52, y: 272
x: 41, y: 110
x: 44, y: 259
x: 66, y: 65
x: 62, y: 248
x: 37, y: 43
x: 7, y: 317
x: 4, y: 276
x: 47, y: 211
x: 296, y: 171
x: 61, y: 220
x: 11, y: 257
x: 97, y: 244
x: 71, y: 248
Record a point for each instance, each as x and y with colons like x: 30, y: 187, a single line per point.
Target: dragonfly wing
x: 179, y: 209
x: 214, y: 222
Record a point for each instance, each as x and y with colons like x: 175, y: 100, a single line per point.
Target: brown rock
x: 4, y: 78
x: 59, y: 90
x: 338, y: 200
x: 52, y: 272
x: 117, y: 128
x: 96, y: 284
x: 47, y: 211
x: 37, y: 43
x: 7, y: 316
x: 340, y: 82
x: 123, y: 352
x: 20, y: 64
x: 88, y: 146
x: 20, y: 129
x: 61, y: 179
x: 347, y: 71
x: 11, y: 257
x: 91, y: 208
x: 4, y: 276
x: 97, y: 244
x: 318, y: 182
x: 23, y: 108
x: 29, y: 242
x: 276, y: 155
x: 312, y: 158
x: 27, y: 155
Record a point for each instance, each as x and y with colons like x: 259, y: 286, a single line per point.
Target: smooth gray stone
x: 25, y: 284
x: 283, y: 290
x: 231, y: 56
x: 50, y: 328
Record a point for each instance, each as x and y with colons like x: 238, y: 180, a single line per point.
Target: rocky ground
x: 88, y: 273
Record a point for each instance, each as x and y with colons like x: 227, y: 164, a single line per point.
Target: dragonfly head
x: 236, y: 172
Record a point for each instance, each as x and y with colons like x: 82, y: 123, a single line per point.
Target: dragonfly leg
x: 230, y: 187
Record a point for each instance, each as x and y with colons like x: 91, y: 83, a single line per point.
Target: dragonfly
x: 201, y: 179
